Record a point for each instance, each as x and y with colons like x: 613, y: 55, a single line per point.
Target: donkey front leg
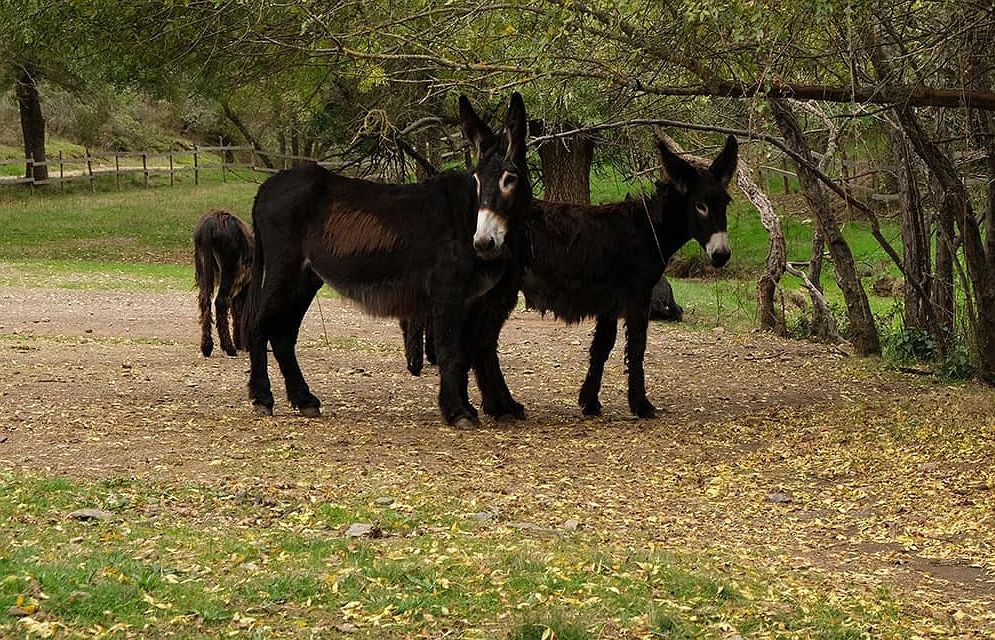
x: 636, y: 324
x: 453, y: 399
x: 488, y: 317
x: 605, y: 332
x: 283, y: 337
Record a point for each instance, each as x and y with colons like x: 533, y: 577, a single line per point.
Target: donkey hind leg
x: 413, y: 330
x: 605, y: 332
x: 222, y: 303
x: 284, y: 340
x: 636, y: 323
x: 237, y: 310
x: 430, y: 342
x: 204, y: 266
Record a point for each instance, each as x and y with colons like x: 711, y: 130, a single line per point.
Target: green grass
x: 202, y: 561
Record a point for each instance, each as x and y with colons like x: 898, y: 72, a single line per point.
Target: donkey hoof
x: 206, y: 349
x: 414, y: 370
x: 231, y: 353
x: 512, y: 413
x: 262, y: 410
x: 645, y: 410
x: 466, y: 422
x: 592, y: 409
x: 310, y: 412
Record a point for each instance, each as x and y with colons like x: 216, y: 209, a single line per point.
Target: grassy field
x: 237, y: 561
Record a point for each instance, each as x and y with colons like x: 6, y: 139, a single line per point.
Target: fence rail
x: 95, y: 164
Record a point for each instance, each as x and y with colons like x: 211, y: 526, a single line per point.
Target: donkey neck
x: 666, y: 209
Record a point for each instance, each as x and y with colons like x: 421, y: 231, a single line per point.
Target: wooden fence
x: 95, y: 164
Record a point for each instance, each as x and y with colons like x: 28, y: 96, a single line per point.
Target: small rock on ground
x: 90, y: 514
x: 363, y: 530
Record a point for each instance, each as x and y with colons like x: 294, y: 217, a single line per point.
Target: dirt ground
x: 786, y: 454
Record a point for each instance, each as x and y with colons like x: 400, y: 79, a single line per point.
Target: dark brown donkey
x: 602, y: 262
x: 397, y: 250
x: 222, y: 252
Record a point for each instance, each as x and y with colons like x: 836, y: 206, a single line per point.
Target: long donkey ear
x: 724, y: 166
x: 514, y: 128
x: 681, y: 173
x: 474, y: 130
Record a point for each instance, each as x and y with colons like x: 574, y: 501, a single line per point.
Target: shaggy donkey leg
x: 284, y: 341
x: 413, y: 344
x: 430, y: 342
x: 221, y: 305
x: 453, y: 400
x: 636, y: 323
x: 237, y: 311
x: 204, y: 268
x: 605, y: 332
x: 496, y: 398
x: 206, y: 340
x: 260, y: 393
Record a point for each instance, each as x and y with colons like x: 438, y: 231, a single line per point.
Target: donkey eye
x: 508, y: 182
x: 701, y: 208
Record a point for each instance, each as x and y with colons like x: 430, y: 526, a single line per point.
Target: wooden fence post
x: 221, y: 145
x: 30, y: 171
x: 170, y: 168
x: 145, y: 169
x: 62, y: 173
x: 89, y: 170
x: 784, y: 176
x: 117, y: 170
x: 196, y: 167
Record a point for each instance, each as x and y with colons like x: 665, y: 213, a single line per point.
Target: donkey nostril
x: 486, y: 244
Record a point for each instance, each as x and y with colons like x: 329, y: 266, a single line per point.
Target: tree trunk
x: 777, y: 254
x: 823, y: 322
x: 246, y: 133
x: 32, y: 120
x: 566, y: 164
x: 955, y: 209
x: 915, y: 237
x: 864, y: 334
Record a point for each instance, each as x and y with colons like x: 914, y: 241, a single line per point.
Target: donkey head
x: 501, y: 175
x: 704, y: 196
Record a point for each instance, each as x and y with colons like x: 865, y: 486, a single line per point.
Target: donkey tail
x: 205, y: 275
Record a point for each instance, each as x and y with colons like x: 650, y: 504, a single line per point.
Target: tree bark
x: 864, y: 335
x: 246, y: 133
x: 777, y: 253
x: 566, y: 164
x: 915, y: 239
x: 32, y: 121
x: 823, y: 322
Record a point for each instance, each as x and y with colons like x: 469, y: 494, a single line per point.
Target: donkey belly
x: 571, y: 299
x: 388, y: 299
x: 380, y: 287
